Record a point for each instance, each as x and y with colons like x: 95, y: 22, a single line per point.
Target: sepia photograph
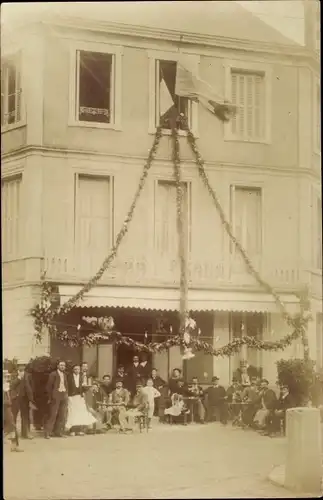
x: 161, y: 225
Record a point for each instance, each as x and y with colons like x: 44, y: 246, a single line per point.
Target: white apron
x: 78, y: 414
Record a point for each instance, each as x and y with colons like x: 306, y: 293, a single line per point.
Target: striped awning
x: 168, y: 299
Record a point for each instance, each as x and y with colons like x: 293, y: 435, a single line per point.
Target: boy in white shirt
x: 151, y: 394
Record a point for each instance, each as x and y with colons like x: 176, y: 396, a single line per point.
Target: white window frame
x: 156, y: 55
x: 16, y: 58
x: 116, y: 89
x: 9, y: 178
x: 189, y: 215
x: 251, y: 186
x: 92, y: 175
x: 315, y: 199
x: 252, y: 67
x: 316, y: 117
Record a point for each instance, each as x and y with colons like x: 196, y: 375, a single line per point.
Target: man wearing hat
x: 268, y: 401
x: 117, y: 405
x: 23, y: 400
x: 216, y: 402
x: 139, y: 405
x: 250, y: 398
x: 9, y: 426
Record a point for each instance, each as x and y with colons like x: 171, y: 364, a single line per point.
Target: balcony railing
x: 136, y: 271
x: 141, y: 271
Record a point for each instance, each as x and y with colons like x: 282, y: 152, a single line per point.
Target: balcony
x: 143, y: 271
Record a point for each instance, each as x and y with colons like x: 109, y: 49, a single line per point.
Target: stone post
x: 303, y: 471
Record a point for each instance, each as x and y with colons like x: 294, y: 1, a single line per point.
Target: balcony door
x: 93, y: 222
x: 166, y: 232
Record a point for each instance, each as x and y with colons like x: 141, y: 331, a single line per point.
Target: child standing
x: 151, y: 394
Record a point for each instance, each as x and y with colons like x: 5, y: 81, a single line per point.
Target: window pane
x: 95, y: 87
x: 167, y: 80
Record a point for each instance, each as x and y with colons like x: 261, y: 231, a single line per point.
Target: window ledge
x: 12, y: 126
x: 167, y: 132
x: 105, y: 126
x: 246, y: 140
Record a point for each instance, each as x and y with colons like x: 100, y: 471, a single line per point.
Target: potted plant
x: 299, y: 376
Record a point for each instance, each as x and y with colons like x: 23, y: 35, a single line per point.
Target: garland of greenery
x: 123, y: 231
x: 44, y: 314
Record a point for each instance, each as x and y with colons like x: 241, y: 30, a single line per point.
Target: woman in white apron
x: 78, y: 417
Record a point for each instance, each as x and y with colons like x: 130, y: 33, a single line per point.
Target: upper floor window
x: 95, y: 99
x: 10, y: 217
x: 95, y: 89
x: 248, y: 87
x: 162, y: 97
x: 166, y: 230
x: 246, y: 207
x: 93, y: 220
x: 10, y: 91
x: 166, y: 98
x: 318, y: 244
x: 318, y: 117
x: 248, y: 94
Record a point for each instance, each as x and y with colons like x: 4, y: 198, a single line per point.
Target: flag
x: 165, y: 98
x: 191, y: 86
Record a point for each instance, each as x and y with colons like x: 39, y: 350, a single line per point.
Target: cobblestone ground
x: 196, y: 461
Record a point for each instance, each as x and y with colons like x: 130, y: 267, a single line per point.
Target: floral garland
x: 200, y: 163
x: 123, y: 231
x: 44, y: 314
x: 103, y: 332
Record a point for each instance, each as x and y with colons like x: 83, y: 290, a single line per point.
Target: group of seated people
x: 249, y: 404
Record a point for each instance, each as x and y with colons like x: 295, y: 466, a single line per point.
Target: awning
x: 168, y: 299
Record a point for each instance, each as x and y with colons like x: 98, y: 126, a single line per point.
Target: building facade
x: 81, y: 100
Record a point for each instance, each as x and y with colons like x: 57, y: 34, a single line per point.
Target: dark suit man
x: 284, y: 403
x: 22, y: 400
x: 134, y: 375
x: 145, y: 368
x: 216, y: 404
x: 56, y: 389
x: 268, y: 401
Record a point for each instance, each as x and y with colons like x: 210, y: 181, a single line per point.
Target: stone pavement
x: 196, y: 461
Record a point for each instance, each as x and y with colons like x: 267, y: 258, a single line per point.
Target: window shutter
x: 10, y: 205
x: 234, y: 101
x: 241, y: 101
x: 18, y: 89
x: 250, y: 104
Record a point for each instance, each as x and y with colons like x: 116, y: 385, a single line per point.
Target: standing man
x: 250, y: 396
x: 121, y: 375
x: 196, y: 406
x: 145, y: 368
x: 58, y: 401
x: 86, y: 380
x: 216, y: 402
x: 134, y: 373
x: 9, y: 426
x: 23, y: 400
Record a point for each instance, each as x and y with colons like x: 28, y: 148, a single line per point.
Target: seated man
x: 216, y: 404
x: 250, y: 398
x: 284, y: 403
x: 234, y: 398
x: 266, y: 415
x: 139, y: 406
x: 91, y: 397
x: 117, y: 405
x: 196, y: 406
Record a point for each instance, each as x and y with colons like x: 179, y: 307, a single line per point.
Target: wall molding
x: 19, y: 156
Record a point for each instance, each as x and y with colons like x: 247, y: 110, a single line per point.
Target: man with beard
x: 56, y: 389
x: 9, y: 426
x: 134, y: 374
x: 22, y: 400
